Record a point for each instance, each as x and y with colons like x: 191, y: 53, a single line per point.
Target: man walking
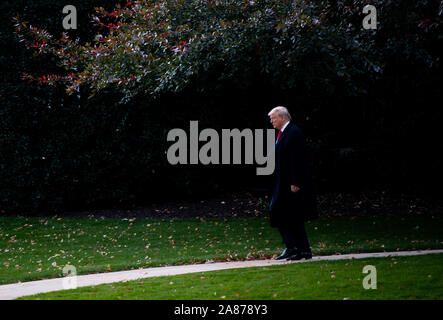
x: 292, y: 200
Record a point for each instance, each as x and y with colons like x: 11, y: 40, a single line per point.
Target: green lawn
x: 38, y: 248
x: 415, y: 277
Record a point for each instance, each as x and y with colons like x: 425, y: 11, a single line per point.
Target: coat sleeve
x: 298, y: 159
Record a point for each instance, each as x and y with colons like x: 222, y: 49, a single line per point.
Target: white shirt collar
x: 286, y: 124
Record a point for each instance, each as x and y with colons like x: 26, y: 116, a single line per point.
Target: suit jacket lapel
x: 283, y: 135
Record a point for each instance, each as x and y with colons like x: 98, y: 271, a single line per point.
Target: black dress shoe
x: 288, y: 252
x: 300, y: 255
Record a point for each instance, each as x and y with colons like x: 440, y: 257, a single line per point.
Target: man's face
x: 277, y: 121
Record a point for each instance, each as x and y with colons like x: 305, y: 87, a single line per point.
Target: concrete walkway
x: 13, y: 291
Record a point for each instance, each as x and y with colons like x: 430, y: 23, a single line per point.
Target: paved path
x: 12, y: 291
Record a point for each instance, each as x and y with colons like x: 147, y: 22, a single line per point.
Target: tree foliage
x: 365, y: 98
x: 152, y: 47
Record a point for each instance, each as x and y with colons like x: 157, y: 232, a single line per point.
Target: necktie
x: 279, y: 134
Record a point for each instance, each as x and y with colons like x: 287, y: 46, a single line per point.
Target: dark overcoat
x: 291, y: 168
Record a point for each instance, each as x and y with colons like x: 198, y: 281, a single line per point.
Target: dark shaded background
x: 60, y: 152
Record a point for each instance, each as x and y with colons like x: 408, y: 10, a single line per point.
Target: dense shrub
x: 364, y: 98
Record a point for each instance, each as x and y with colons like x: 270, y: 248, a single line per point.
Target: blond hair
x: 281, y: 112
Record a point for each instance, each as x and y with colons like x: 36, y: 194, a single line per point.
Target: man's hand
x: 294, y: 188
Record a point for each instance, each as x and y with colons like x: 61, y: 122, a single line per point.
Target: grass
x: 414, y: 277
x: 39, y: 248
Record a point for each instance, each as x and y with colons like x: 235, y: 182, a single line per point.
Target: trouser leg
x: 302, y: 241
x: 288, y: 237
x: 295, y: 236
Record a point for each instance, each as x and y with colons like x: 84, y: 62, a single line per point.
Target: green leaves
x: 158, y: 47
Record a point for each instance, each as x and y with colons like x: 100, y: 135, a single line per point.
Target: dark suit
x: 289, y: 210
